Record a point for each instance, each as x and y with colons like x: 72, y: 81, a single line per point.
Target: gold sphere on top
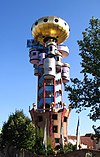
x: 50, y: 27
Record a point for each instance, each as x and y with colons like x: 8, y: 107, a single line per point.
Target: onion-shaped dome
x: 50, y: 27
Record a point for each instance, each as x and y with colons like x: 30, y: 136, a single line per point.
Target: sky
x: 18, y: 85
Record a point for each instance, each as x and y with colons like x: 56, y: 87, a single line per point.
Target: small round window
x: 36, y: 23
x: 45, y: 20
x: 56, y: 20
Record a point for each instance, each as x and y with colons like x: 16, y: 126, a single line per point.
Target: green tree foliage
x: 67, y: 148
x: 38, y: 146
x: 18, y: 132
x: 85, y: 93
x: 50, y: 150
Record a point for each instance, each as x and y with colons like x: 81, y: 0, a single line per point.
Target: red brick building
x: 86, y: 142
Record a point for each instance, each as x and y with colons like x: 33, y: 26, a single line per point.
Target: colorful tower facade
x: 46, y: 54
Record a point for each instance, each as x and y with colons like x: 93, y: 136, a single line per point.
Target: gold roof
x: 50, y: 26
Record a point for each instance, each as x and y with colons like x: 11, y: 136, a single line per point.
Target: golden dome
x: 50, y: 26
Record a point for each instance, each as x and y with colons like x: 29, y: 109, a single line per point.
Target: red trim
x: 51, y: 126
x: 44, y: 93
x: 54, y: 92
x: 61, y: 89
x: 38, y: 90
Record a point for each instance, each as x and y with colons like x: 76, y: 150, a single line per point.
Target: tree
x: 67, y: 148
x: 18, y: 132
x: 39, y: 147
x: 85, y: 93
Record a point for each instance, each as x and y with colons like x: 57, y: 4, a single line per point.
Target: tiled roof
x: 85, y: 140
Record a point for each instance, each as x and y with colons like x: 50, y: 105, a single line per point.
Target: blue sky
x: 17, y: 82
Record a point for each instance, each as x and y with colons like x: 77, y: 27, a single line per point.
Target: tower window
x: 54, y: 116
x: 56, y: 20
x: 50, y: 69
x: 65, y: 119
x: 49, y: 82
x: 55, y: 129
x: 65, y: 23
x: 40, y: 118
x: 57, y: 59
x: 47, y: 105
x: 36, y: 23
x: 50, y: 48
x: 34, y: 53
x: 56, y: 140
x: 58, y: 70
x: 45, y: 20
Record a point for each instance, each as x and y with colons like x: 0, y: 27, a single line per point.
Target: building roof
x: 84, y: 140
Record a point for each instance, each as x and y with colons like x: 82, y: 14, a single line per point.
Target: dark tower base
x: 56, y: 123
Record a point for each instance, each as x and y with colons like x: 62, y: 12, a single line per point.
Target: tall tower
x: 46, y: 54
